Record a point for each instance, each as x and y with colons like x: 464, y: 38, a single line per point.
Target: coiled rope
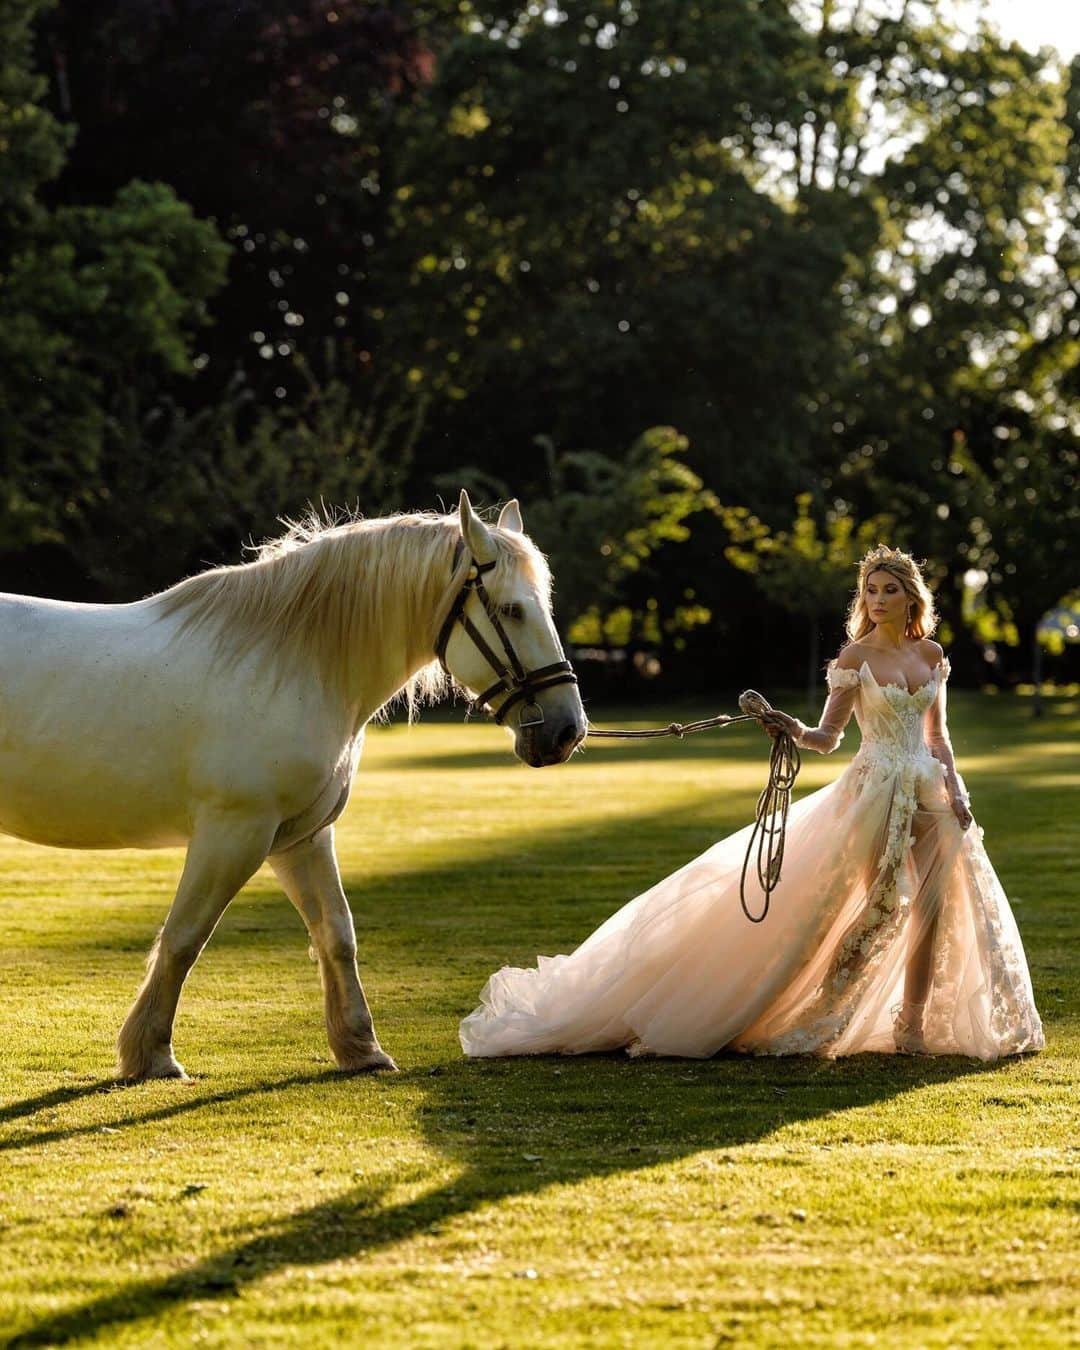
x: 769, y: 834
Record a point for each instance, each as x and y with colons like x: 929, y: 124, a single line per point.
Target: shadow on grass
x: 514, y: 1128
x: 128, y: 1091
x: 416, y: 900
x: 49, y: 1101
x: 511, y: 1128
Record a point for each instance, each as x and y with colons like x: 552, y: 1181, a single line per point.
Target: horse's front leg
x: 310, y: 878
x: 226, y: 849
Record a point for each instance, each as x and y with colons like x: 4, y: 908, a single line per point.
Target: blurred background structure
x: 724, y: 290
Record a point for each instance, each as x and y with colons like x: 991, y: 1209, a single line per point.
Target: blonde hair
x: 922, y: 616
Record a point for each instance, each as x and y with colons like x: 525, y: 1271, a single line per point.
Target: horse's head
x: 499, y: 641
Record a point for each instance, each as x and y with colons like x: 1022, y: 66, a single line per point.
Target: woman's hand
x: 960, y: 809
x: 776, y: 722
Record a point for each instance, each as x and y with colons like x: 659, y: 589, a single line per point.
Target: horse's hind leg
x: 225, y: 850
x: 309, y: 876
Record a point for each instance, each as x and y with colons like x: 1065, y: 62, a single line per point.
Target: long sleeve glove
x: 829, y: 732
x: 834, y: 716
x: 936, y: 732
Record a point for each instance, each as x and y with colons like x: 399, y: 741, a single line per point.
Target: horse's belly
x: 66, y: 812
x: 88, y: 834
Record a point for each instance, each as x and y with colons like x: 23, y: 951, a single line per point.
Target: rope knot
x: 677, y: 729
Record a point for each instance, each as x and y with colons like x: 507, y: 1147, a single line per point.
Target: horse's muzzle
x: 540, y: 746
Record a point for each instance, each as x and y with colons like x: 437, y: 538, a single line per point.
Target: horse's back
x: 117, y: 726
x: 86, y: 730
x: 73, y: 660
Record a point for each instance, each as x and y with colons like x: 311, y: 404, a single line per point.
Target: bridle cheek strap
x: 559, y: 672
x: 513, y: 679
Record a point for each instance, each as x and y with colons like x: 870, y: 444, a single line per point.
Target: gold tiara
x: 884, y: 556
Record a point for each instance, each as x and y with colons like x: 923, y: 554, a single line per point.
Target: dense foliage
x: 739, y: 250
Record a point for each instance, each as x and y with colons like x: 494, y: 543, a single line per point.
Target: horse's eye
x: 511, y: 611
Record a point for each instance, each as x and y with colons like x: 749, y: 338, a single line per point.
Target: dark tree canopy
x: 819, y: 247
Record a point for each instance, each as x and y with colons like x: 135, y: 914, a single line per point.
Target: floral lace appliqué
x: 1015, y: 1026
x: 893, y: 750
x: 838, y: 678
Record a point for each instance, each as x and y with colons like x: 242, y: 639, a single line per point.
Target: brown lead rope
x: 770, y: 819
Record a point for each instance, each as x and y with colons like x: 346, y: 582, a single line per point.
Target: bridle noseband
x: 514, y: 680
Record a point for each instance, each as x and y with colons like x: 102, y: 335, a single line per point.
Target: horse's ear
x: 476, y: 534
x: 510, y: 517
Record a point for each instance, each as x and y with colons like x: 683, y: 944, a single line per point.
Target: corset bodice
x: 891, y: 720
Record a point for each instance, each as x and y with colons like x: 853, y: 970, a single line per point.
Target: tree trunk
x: 1036, y: 672
x: 812, y: 669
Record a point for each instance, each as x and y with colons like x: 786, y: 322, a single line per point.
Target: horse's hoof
x: 157, y: 1068
x: 375, y: 1061
x: 172, y: 1070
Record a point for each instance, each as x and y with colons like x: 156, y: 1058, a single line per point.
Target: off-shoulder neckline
x: 935, y: 673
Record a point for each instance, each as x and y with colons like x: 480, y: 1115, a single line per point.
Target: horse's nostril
x: 568, y: 736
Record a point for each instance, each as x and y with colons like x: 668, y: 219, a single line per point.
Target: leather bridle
x: 514, y: 680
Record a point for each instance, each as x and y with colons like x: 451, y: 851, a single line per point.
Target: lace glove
x: 824, y: 739
x: 829, y: 732
x: 937, y: 738
x: 959, y: 800
x: 774, y: 722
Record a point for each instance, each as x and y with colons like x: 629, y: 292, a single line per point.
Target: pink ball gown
x: 888, y: 931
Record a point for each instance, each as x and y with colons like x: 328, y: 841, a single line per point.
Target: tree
x: 599, y: 520
x: 481, y: 198
x: 802, y: 570
x: 94, y: 298
x: 176, y: 490
x: 951, y: 404
x: 822, y: 238
x: 1025, y: 513
x: 579, y: 229
x: 278, y: 118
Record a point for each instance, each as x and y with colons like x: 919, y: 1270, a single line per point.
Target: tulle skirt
x: 886, y: 911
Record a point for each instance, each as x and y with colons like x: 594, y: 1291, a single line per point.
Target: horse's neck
x: 399, y: 644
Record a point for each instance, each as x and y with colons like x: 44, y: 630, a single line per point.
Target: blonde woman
x: 889, y: 931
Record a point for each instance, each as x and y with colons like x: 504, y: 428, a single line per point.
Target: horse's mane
x: 334, y: 585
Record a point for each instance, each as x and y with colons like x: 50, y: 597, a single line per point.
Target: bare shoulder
x: 932, y: 651
x: 851, y: 657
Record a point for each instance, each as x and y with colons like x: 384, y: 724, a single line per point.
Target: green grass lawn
x: 596, y: 1201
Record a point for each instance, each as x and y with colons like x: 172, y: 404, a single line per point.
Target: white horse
x: 228, y: 714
